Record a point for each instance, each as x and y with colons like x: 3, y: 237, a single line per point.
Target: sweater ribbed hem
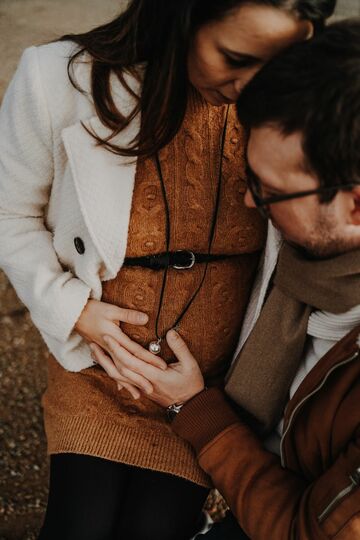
x: 107, y: 439
x: 204, y: 417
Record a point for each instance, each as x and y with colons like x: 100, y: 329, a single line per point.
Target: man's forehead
x: 272, y: 155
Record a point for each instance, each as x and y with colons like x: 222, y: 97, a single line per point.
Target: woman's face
x: 224, y: 55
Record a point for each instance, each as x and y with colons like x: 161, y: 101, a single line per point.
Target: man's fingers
x: 138, y: 380
x: 139, y: 351
x: 129, y: 366
x: 119, y: 373
x: 129, y: 360
x: 101, y: 358
x: 132, y: 390
x: 179, y: 348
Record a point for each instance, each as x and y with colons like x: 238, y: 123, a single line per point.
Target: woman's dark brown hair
x: 157, y: 33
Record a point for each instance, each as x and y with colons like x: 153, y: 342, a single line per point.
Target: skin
x: 321, y: 229
x: 226, y: 54
x: 223, y: 57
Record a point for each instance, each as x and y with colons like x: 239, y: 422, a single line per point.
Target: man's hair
x: 314, y: 88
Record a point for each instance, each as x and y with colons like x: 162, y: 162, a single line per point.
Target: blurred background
x: 23, y: 461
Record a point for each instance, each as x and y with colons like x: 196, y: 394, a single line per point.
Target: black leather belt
x: 181, y: 260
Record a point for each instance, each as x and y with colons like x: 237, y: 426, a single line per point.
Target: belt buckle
x: 192, y: 260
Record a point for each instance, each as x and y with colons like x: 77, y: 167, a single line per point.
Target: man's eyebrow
x: 241, y: 56
x: 251, y: 173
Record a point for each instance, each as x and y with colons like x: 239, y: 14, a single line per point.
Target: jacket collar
x: 104, y: 181
x: 341, y: 353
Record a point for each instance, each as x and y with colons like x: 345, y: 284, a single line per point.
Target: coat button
x: 79, y: 244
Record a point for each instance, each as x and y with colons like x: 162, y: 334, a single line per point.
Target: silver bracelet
x: 173, y: 410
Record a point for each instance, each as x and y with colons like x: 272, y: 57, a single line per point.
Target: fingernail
x: 93, y: 351
x: 144, y: 318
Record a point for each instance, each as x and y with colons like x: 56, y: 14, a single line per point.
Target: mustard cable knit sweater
x: 84, y: 412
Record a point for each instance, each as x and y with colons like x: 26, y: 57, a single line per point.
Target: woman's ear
x: 355, y: 214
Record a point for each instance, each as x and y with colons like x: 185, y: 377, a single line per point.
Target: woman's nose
x: 238, y: 86
x: 242, y: 79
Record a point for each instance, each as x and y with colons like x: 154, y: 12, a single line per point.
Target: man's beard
x: 316, y: 252
x: 325, y: 241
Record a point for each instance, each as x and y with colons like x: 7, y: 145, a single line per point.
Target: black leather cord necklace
x: 155, y: 346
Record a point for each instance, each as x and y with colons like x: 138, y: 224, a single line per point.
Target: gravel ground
x: 29, y: 22
x: 23, y: 462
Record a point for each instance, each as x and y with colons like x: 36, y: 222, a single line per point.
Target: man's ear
x: 355, y: 213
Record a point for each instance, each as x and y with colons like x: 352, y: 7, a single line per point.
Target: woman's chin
x: 214, y: 97
x: 218, y: 101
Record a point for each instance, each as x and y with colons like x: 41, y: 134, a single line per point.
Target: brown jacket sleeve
x: 268, y: 500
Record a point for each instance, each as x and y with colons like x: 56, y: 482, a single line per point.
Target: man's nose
x: 238, y: 86
x: 249, y: 200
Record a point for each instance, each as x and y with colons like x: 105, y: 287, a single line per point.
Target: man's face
x: 323, y: 230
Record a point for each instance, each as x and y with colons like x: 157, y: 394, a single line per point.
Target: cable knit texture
x: 84, y: 412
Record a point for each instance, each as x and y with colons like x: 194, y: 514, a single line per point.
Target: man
x: 303, y: 115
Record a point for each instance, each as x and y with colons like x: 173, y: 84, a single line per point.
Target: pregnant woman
x: 121, y: 213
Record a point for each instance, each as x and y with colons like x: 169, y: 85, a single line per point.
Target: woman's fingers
x: 129, y: 316
x: 119, y: 373
x: 138, y: 351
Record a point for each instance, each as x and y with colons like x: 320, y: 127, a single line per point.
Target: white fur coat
x: 57, y: 185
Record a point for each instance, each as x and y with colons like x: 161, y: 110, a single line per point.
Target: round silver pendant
x: 154, y: 347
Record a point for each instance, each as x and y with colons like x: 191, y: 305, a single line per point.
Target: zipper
x: 306, y: 398
x: 355, y: 483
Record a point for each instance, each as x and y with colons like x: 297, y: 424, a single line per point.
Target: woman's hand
x: 99, y: 319
x: 177, y: 384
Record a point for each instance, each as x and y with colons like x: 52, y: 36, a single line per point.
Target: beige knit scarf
x: 262, y: 373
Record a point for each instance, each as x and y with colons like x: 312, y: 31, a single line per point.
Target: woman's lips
x: 223, y: 98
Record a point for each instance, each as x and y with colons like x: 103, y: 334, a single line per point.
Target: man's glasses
x: 262, y: 203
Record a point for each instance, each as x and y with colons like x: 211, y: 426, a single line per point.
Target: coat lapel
x: 104, y: 183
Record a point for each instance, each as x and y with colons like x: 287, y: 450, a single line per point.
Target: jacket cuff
x: 58, y: 319
x: 203, y: 417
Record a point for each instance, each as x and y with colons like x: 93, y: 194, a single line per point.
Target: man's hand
x: 177, y: 384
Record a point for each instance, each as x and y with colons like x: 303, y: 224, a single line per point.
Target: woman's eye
x: 238, y: 63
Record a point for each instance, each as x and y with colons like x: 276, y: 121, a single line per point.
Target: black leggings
x: 228, y: 529
x: 91, y: 498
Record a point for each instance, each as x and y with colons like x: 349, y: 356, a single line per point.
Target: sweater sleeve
x: 260, y: 492
x: 55, y: 298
